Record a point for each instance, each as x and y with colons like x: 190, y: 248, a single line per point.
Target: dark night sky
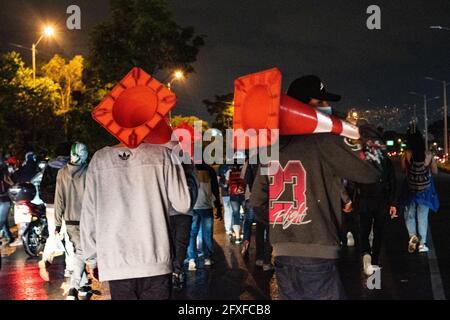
x: 325, y: 37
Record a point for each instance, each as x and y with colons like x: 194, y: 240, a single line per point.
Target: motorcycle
x: 31, y: 216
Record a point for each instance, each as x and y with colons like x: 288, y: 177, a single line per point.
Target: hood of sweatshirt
x: 76, y: 171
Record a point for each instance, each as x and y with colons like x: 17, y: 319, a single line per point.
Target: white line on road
x: 435, y: 274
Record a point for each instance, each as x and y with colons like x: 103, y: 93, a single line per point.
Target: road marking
x: 435, y: 274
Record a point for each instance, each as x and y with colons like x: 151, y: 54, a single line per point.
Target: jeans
x: 203, y: 218
x: 148, y: 288
x: 263, y: 246
x: 417, y: 213
x: 248, y: 222
x: 302, y: 278
x: 377, y: 218
x: 227, y: 214
x: 236, y: 203
x: 180, y: 225
x: 4, y: 226
x: 79, y: 276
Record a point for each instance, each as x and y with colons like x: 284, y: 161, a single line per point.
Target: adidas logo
x: 124, y: 156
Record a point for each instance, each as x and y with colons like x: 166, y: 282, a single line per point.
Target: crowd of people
x: 140, y: 219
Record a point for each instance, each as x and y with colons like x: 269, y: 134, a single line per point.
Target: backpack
x: 236, y: 185
x: 418, y: 177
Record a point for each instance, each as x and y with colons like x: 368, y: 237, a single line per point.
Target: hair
x: 416, y: 144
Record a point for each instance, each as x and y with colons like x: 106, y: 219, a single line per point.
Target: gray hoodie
x: 70, y: 183
x: 125, y: 215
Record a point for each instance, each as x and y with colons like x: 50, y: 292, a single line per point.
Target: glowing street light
x: 49, y: 31
x: 177, y: 75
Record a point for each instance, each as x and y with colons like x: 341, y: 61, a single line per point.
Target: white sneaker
x: 208, y: 262
x: 423, y: 248
x: 259, y: 263
x: 192, y: 266
x: 367, y: 265
x: 350, y: 240
x: 16, y: 243
x: 412, y: 245
x: 267, y: 267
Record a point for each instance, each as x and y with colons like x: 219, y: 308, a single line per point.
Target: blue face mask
x: 327, y: 110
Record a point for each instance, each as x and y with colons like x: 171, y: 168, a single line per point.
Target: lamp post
x: 48, y: 32
x: 425, y: 101
x: 444, y: 85
x: 177, y: 75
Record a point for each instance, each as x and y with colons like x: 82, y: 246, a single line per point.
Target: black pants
x: 149, y: 288
x: 181, y: 229
x: 263, y: 246
x: 350, y: 223
x: 376, y: 216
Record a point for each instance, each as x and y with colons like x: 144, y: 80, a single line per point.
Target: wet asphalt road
x: 403, y: 275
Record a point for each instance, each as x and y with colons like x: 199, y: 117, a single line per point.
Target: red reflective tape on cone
x: 337, y: 125
x: 296, y: 117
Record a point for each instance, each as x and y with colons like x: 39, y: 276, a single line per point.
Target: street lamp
x: 440, y: 28
x: 48, y: 32
x: 444, y: 85
x: 425, y: 100
x: 177, y: 75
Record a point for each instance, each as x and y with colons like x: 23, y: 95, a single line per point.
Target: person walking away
x: 203, y: 216
x: 301, y: 200
x: 125, y: 229
x: 5, y: 203
x: 47, y: 190
x: 70, y: 185
x: 25, y: 173
x: 224, y: 175
x: 419, y: 191
x: 236, y: 187
x: 375, y: 203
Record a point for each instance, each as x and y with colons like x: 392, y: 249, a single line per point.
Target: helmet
x: 78, y: 154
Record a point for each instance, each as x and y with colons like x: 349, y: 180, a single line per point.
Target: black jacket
x: 301, y: 200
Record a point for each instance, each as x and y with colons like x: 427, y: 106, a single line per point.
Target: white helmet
x: 78, y: 154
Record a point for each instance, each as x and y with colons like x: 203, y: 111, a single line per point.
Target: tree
x: 27, y: 111
x: 140, y: 33
x: 68, y: 76
x: 177, y: 120
x: 222, y: 108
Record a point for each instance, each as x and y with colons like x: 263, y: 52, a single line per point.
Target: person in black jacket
x: 374, y: 203
x: 300, y: 198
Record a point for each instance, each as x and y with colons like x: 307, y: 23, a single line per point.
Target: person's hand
x: 348, y: 207
x: 219, y: 213
x: 393, y: 212
x: 94, y: 274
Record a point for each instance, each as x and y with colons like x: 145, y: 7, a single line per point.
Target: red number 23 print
x: 287, y: 197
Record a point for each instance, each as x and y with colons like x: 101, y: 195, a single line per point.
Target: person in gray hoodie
x: 70, y: 184
x: 125, y: 229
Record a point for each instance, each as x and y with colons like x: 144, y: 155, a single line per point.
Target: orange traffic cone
x: 259, y: 105
x: 134, y: 108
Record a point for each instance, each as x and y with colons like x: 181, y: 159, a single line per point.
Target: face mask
x: 78, y: 154
x: 326, y: 110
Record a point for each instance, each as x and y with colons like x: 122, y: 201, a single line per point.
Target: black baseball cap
x: 307, y: 87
